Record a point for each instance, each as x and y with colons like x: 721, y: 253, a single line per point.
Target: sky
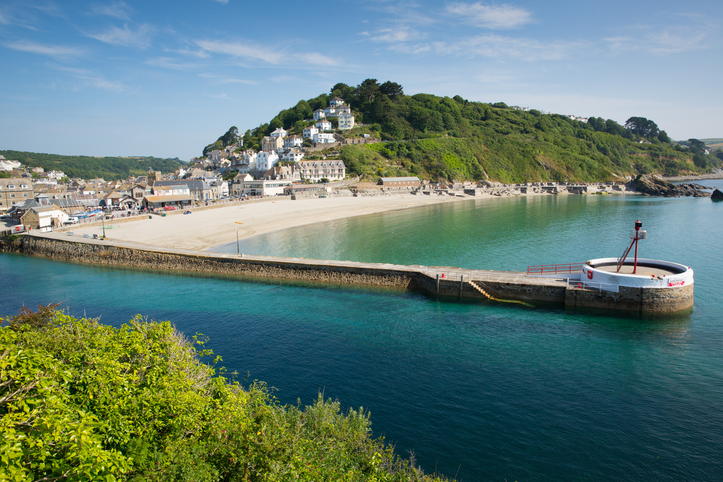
x: 165, y: 78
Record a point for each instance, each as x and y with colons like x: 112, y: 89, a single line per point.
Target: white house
x: 266, y: 160
x: 293, y: 155
x: 336, y: 101
x: 330, y: 111
x: 346, y: 121
x: 331, y: 169
x: 293, y: 141
x: 310, y: 131
x: 323, y: 125
x: 322, y: 138
x: 319, y: 114
x: 264, y: 188
x: 343, y: 109
x: 279, y: 132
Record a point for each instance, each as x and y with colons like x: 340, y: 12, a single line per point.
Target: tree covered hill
x: 450, y: 138
x: 85, y: 167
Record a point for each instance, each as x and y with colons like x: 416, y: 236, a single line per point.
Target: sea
x: 470, y: 390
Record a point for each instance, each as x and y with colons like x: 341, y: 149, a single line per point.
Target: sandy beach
x: 207, y: 228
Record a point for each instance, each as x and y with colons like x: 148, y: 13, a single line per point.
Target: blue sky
x: 165, y: 78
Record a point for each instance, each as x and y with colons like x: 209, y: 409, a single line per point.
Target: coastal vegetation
x: 451, y: 138
x: 86, y: 167
x: 80, y: 400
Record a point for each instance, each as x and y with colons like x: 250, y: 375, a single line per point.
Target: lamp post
x: 238, y: 249
x: 102, y: 220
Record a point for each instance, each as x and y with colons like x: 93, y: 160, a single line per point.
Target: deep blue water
x: 483, y: 392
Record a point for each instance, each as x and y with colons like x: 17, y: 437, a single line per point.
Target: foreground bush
x: 84, y: 401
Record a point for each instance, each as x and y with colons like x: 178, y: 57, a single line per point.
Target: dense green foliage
x: 84, y: 401
x: 452, y: 138
x: 230, y: 138
x: 85, y: 167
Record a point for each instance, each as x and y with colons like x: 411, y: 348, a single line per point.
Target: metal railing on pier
x: 564, y: 268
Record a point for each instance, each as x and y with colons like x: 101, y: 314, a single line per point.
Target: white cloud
x: 496, y: 17
x: 4, y: 19
x: 223, y: 2
x: 127, y: 37
x: 119, y: 10
x: 56, y: 51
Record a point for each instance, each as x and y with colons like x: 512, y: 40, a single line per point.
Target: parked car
x: 72, y: 220
x: 170, y: 208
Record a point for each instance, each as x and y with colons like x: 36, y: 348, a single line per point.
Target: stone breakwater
x: 450, y: 283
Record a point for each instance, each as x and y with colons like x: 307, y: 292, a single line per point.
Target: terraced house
x: 14, y: 191
x: 331, y: 169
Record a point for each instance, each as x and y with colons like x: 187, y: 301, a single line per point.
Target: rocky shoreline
x: 656, y: 186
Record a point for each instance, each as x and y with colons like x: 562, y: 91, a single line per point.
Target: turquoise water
x: 483, y: 392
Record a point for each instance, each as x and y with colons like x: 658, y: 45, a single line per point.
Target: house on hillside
x: 293, y: 155
x: 322, y: 138
x: 323, y: 125
x: 272, y: 143
x: 293, y: 141
x: 319, y: 114
x: 336, y: 101
x: 346, y: 121
x: 266, y: 160
x: 310, y: 131
x: 279, y: 132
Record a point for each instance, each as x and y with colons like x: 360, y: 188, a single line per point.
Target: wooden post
x: 437, y: 284
x: 461, y: 285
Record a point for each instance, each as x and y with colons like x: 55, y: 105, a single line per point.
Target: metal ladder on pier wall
x: 492, y: 298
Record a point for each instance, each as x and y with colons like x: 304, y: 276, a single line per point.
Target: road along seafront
x: 570, y: 289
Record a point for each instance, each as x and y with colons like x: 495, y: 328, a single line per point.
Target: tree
x: 696, y: 146
x: 642, y: 127
x: 391, y: 90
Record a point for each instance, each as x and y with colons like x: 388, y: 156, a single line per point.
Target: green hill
x: 85, y: 167
x: 452, y: 138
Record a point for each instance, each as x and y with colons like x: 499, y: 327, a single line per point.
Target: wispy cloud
x: 173, y: 64
x: 226, y: 80
x: 682, y: 33
x: 119, y: 10
x: 91, y: 79
x: 4, y: 17
x: 395, y: 35
x: 55, y: 51
x: 126, y: 36
x: 245, y: 50
x: 251, y: 51
x: 496, y: 17
x: 498, y: 46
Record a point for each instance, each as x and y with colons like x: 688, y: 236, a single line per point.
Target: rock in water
x: 717, y: 195
x: 654, y: 186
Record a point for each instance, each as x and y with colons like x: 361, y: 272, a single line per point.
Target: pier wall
x: 636, y: 300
